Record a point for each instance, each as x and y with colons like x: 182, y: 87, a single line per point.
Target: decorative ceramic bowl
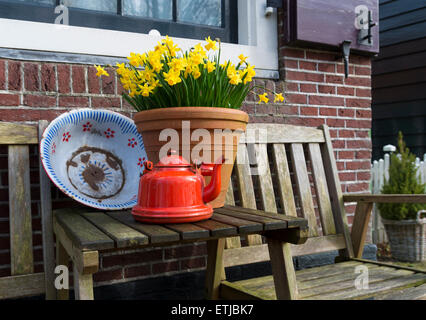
x: 95, y: 157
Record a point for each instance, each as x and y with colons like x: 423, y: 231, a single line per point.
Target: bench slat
x: 16, y: 133
x: 284, y: 181
x: 323, y: 196
x: 267, y: 195
x: 21, y: 239
x: 21, y: 286
x: 189, y: 231
x: 84, y: 235
x: 268, y: 222
x: 156, y: 233
x: 123, y: 235
x: 304, y: 187
x: 243, y: 226
x: 217, y: 229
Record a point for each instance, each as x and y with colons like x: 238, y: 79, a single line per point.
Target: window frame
x: 68, y: 44
x: 34, y: 12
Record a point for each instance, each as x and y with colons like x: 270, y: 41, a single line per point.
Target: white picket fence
x: 380, y: 172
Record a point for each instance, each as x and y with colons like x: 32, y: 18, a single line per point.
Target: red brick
x: 307, y: 111
x: 309, y: 122
x: 108, y: 83
x: 287, y: 110
x: 186, y: 251
x: 31, y: 77
x: 327, y: 67
x: 362, y: 134
x: 307, y: 87
x: 265, y: 109
x: 132, y: 258
x: 321, y: 56
x: 363, y: 154
x: 363, y: 113
x: 357, y: 165
x: 333, y: 122
x: 68, y: 101
x: 363, y: 175
x: 64, y: 73
x: 358, y: 187
x: 307, y: 65
x: 357, y: 59
x: 358, y: 103
x: 304, y: 76
x: 290, y: 64
x: 328, y: 112
x: 357, y: 81
x: 192, y: 263
x: 358, y: 144
x: 137, y: 271
x: 48, y: 77
x: 326, y: 89
x: 363, y: 92
x: 326, y: 100
x: 14, y: 75
x: 39, y: 101
x: 363, y: 71
x: 94, y: 81
x: 165, y: 267
x: 108, y: 275
x: 346, y: 133
x: 338, y: 144
x: 100, y: 102
x: 78, y: 79
x: 292, y: 86
x: 9, y: 99
x: 345, y: 91
x: 340, y: 68
x: 340, y: 165
x: 346, y: 154
x: 347, y: 176
x: 294, y: 53
x: 297, y: 98
x: 346, y: 112
x: 329, y: 78
x: 2, y: 75
x: 249, y: 108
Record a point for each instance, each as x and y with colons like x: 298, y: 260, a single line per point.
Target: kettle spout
x: 212, y: 190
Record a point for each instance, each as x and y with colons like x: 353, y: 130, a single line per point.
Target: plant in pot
x: 189, y: 102
x: 403, y: 223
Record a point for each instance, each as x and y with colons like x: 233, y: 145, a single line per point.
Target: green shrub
x: 402, y: 180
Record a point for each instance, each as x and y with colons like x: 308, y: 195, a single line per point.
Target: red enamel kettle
x: 173, y: 191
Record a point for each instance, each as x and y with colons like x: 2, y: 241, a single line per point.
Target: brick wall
x: 316, y: 93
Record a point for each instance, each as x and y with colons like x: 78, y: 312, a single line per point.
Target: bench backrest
x: 291, y: 170
x: 23, y: 281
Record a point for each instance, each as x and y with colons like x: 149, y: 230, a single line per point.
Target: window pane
x: 208, y: 12
x: 99, y: 5
x: 157, y: 9
x: 51, y: 2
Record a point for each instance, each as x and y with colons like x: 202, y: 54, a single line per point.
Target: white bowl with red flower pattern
x: 95, y: 157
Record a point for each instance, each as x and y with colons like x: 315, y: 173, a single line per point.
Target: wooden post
x: 215, y: 269
x: 282, y: 269
x: 360, y: 226
x: 83, y: 285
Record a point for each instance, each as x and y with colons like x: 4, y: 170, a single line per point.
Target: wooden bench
x: 271, y: 191
x: 298, y: 176
x: 23, y: 281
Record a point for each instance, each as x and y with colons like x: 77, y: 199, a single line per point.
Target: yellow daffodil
x: 172, y: 77
x: 135, y: 59
x: 101, y: 71
x: 146, y: 90
x: 279, y: 97
x: 242, y: 58
x: 177, y: 64
x: 211, y: 45
x: 210, y: 66
x: 263, y: 98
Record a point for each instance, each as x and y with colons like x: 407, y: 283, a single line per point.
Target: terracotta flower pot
x: 185, y: 120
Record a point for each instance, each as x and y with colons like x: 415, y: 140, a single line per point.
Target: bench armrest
x: 383, y: 198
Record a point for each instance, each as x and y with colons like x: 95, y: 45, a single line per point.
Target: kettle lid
x: 173, y: 160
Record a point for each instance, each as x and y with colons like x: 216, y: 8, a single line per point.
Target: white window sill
x: 53, y: 38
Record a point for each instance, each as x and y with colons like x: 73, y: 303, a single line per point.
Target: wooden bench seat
x: 333, y: 282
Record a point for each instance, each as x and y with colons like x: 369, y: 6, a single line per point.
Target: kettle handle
x: 148, y: 166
